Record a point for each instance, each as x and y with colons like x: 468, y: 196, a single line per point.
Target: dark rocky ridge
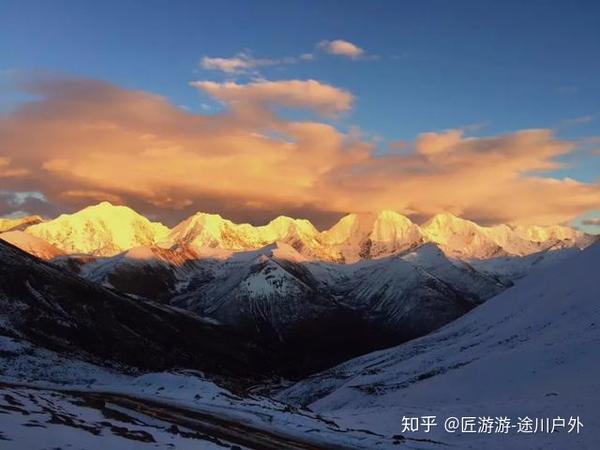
x: 61, y: 311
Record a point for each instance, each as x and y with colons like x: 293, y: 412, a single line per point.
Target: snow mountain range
x: 107, y: 230
x: 312, y: 298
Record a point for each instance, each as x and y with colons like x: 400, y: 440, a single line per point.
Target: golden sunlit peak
x: 446, y: 217
x: 287, y: 222
x: 388, y: 214
x: 102, y: 229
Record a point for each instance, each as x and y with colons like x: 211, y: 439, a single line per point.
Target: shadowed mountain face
x: 64, y: 312
x: 308, y: 314
x: 304, y: 316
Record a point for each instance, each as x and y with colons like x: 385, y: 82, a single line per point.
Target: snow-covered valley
x: 531, y: 351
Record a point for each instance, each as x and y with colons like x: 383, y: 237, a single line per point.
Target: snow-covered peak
x: 368, y: 235
x: 552, y: 233
x: 383, y: 226
x: 442, y: 227
x: 425, y: 255
x: 463, y: 238
x: 390, y: 226
x: 102, y: 229
x: 466, y: 239
x: 349, y: 227
x: 203, y: 230
x: 282, y: 226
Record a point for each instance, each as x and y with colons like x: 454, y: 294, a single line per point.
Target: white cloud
x: 240, y: 63
x: 575, y: 121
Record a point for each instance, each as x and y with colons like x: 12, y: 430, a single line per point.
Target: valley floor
x: 50, y: 401
x: 48, y: 417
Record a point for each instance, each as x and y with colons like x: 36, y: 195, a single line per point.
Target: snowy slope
x: 458, y: 274
x: 152, y: 272
x: 511, y: 268
x: 531, y: 350
x: 102, y: 230
x: 32, y: 245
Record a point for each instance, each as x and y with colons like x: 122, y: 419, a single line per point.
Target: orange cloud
x: 313, y: 95
x: 7, y: 171
x: 91, y: 196
x: 342, y: 48
x: 492, y: 179
x: 82, y: 141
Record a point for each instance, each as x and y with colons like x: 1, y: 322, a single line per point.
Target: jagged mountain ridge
x: 106, y: 230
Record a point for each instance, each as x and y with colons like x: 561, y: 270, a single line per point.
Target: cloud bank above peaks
x: 83, y: 141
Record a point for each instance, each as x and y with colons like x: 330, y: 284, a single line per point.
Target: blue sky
x: 508, y: 65
x: 489, y: 67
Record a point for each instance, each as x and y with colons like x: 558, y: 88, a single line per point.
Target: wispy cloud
x: 240, y: 63
x: 245, y: 63
x: 575, y: 121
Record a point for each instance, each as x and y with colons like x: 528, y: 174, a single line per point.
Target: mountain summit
x: 361, y: 236
x: 101, y: 230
